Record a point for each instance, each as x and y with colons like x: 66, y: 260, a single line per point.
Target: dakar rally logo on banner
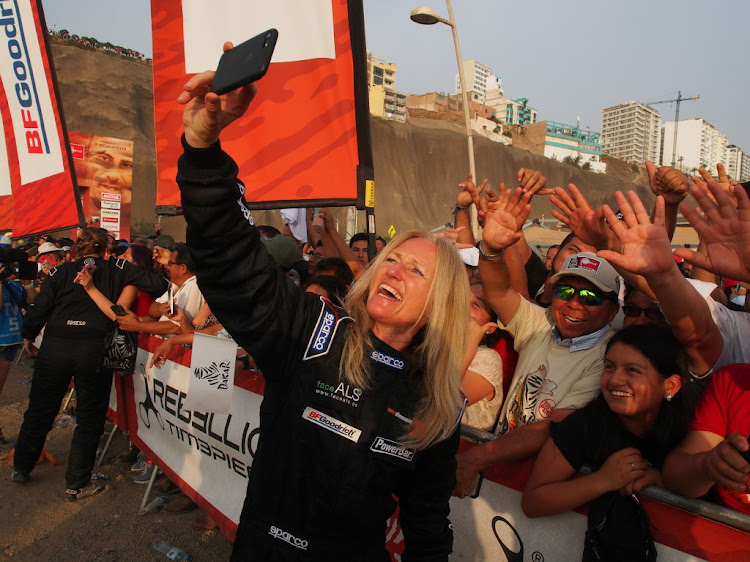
x: 37, y: 192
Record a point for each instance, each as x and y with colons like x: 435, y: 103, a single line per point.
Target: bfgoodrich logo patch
x: 331, y: 424
x: 392, y: 448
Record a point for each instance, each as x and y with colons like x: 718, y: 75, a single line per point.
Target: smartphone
x: 27, y: 270
x: 170, y: 300
x: 746, y: 454
x: 478, y: 489
x: 245, y: 63
x: 118, y: 310
x: 90, y: 267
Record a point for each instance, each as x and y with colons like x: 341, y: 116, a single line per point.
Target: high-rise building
x: 632, y: 131
x: 479, y: 80
x: 737, y: 164
x: 385, y: 101
x: 699, y: 144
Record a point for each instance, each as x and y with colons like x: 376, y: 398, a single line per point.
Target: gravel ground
x: 36, y: 524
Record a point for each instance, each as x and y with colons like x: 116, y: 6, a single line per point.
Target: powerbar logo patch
x: 277, y: 533
x: 331, y: 424
x: 386, y: 359
x: 388, y: 447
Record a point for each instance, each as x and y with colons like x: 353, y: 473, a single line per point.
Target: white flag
x: 211, y: 374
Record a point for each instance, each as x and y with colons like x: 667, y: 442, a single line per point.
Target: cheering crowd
x: 607, y: 354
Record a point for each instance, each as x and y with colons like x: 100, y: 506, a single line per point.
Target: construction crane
x: 677, y: 103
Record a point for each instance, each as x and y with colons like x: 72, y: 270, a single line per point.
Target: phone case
x: 245, y: 63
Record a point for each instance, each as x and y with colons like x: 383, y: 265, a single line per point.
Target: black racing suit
x: 329, y: 458
x: 73, y: 347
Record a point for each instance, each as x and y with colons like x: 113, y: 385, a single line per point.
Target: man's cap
x: 47, y: 247
x: 284, y: 250
x: 164, y: 241
x: 593, y: 269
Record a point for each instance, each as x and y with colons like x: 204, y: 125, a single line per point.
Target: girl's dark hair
x: 91, y: 241
x: 489, y: 340
x: 333, y: 285
x: 659, y: 345
x: 142, y: 256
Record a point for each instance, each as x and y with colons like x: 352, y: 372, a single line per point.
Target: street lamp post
x: 426, y: 16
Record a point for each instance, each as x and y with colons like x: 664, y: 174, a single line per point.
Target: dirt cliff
x: 417, y: 164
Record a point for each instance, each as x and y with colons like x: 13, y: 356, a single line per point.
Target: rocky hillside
x: 417, y: 164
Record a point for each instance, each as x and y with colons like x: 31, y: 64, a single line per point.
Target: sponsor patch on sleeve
x: 331, y: 424
x: 323, y: 333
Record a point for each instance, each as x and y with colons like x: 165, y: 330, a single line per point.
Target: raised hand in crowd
x: 724, y: 231
x: 576, y: 213
x: 207, y: 114
x: 671, y: 184
x: 533, y: 181
x: 668, y: 182
x: 454, y: 235
x: 722, y: 179
x: 504, y: 219
x: 469, y: 193
x: 645, y: 249
x: 644, y: 246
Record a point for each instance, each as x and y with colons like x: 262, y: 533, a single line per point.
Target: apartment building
x: 737, y: 164
x: 632, y: 131
x: 479, y: 80
x: 698, y: 144
x: 385, y: 101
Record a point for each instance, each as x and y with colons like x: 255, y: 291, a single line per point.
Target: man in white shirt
x: 186, y: 295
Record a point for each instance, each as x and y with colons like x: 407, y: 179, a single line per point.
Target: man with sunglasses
x: 560, y: 349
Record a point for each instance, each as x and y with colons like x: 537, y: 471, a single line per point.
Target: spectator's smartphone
x: 170, y: 300
x: 118, y: 310
x: 478, y: 489
x: 746, y: 454
x: 90, y: 267
x: 245, y: 63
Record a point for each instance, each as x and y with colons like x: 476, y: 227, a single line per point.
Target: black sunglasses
x: 587, y: 297
x: 651, y: 313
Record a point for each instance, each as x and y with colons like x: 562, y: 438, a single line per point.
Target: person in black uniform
x: 360, y: 404
x: 73, y: 347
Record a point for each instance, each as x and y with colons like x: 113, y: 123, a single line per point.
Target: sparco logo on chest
x: 386, y: 359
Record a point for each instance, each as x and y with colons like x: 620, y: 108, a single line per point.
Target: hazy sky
x: 570, y: 58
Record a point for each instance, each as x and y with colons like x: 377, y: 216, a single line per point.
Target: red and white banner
x: 37, y: 191
x: 306, y: 132
x: 210, y: 457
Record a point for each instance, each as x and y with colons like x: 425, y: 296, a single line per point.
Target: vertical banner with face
x: 306, y: 136
x: 37, y: 191
x: 104, y: 170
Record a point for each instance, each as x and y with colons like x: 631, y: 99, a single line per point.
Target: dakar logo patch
x: 215, y: 374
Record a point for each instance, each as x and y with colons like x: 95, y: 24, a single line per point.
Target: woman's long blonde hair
x: 439, y: 356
